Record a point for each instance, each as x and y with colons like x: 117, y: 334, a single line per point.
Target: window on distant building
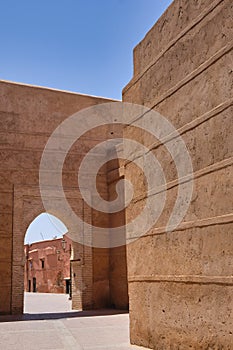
x: 30, y: 264
x: 42, y: 263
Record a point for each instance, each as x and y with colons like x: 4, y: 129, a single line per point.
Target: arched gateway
x: 29, y: 115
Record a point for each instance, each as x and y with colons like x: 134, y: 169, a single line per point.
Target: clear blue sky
x: 78, y: 45
x: 44, y: 227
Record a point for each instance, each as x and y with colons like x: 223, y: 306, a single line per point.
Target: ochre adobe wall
x: 28, y: 116
x: 117, y: 258
x: 180, y: 283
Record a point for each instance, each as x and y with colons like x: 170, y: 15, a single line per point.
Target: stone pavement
x: 50, y: 324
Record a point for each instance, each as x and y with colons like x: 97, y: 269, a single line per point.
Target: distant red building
x: 47, y: 266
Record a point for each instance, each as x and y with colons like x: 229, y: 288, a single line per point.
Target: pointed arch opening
x: 45, y: 227
x: 47, y: 253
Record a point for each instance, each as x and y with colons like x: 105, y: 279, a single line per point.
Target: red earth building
x: 47, y: 266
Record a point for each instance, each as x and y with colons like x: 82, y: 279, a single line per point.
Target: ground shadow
x: 60, y: 315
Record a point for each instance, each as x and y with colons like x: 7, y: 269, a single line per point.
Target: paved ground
x: 36, y: 303
x: 50, y: 324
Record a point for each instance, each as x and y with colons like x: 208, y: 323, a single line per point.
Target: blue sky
x: 78, y: 45
x: 84, y: 46
x: 44, y: 227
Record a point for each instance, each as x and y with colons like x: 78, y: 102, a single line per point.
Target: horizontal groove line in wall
x: 195, y: 73
x: 115, y: 169
x: 24, y: 133
x: 187, y: 127
x: 35, y: 170
x: 199, y: 173
x: 187, y: 79
x: 53, y: 151
x: 196, y: 21
x: 68, y: 192
x: 45, y: 134
x: 55, y: 194
x: 212, y: 221
x: 226, y: 280
x: 35, y: 188
x: 195, y: 123
x: 114, y: 181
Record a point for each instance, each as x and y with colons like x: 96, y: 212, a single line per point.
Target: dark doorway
x: 34, y: 284
x: 68, y: 286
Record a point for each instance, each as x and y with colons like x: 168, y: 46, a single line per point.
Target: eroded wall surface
x: 180, y: 282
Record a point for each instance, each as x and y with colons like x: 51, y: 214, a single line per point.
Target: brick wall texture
x: 28, y: 116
